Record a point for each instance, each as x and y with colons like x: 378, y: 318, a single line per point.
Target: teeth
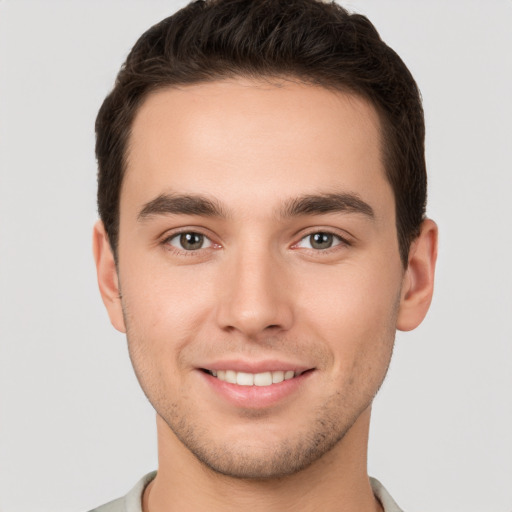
x: 253, y: 379
x: 244, y: 379
x: 277, y: 377
x: 231, y: 376
x: 263, y: 379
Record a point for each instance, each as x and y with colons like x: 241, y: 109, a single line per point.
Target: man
x: 262, y: 195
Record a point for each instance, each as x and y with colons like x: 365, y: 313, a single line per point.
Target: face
x: 259, y: 269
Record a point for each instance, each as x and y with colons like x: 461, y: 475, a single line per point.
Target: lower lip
x: 256, y: 397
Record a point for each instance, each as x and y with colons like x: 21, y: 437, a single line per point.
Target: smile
x: 253, y: 379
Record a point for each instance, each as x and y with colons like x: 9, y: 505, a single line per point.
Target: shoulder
x: 132, y: 502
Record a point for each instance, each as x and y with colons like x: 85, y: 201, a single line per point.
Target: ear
x: 108, y: 280
x: 418, y: 281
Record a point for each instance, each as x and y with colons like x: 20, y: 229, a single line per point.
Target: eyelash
x: 187, y: 252
x: 341, y: 241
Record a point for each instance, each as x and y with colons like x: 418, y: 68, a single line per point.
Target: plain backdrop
x: 76, y: 431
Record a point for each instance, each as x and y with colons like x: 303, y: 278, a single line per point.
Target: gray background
x: 76, y: 431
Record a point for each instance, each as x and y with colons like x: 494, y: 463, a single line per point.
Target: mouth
x: 254, y: 379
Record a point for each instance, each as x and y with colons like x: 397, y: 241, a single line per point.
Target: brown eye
x: 189, y: 241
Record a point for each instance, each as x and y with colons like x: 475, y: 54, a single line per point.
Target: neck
x: 337, y: 481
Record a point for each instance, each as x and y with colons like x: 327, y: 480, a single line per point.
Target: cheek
x: 162, y: 314
x: 360, y: 292
x: 353, y: 308
x: 164, y: 309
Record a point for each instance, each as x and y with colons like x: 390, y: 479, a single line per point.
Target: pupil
x: 190, y: 241
x: 321, y: 240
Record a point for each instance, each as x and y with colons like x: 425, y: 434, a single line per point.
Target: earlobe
x: 108, y: 281
x: 418, y: 282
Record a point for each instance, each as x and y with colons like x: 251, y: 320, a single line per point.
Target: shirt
x: 132, y: 502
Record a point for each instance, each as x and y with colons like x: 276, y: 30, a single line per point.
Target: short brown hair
x: 313, y: 41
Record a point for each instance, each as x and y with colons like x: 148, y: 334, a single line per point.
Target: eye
x: 189, y: 241
x: 320, y: 241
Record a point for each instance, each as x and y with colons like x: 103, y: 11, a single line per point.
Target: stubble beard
x: 285, y: 457
x: 290, y: 454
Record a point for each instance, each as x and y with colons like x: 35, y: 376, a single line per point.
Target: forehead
x: 241, y: 139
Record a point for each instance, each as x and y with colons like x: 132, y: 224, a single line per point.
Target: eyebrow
x: 166, y: 204
x: 318, y: 204
x: 311, y: 204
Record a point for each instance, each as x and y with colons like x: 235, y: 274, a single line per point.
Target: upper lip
x: 255, y: 366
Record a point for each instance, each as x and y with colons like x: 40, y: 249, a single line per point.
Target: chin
x: 283, y: 461
x: 272, y: 456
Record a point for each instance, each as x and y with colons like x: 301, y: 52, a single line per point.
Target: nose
x: 254, y: 295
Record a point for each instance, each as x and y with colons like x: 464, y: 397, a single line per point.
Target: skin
x: 260, y: 290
